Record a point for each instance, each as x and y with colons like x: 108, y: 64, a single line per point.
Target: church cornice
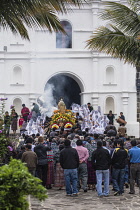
x: 106, y: 92
x: 53, y: 54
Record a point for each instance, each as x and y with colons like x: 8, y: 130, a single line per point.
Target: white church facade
x: 26, y: 67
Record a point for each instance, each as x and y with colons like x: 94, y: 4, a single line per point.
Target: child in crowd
x: 22, y: 125
x: 20, y: 122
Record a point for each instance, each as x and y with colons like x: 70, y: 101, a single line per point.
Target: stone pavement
x: 57, y: 200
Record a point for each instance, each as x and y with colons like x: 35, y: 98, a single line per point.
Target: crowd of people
x: 13, y: 120
x: 76, y: 159
x: 79, y: 160
x: 32, y: 121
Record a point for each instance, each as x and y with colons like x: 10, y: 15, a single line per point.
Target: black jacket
x: 119, y: 158
x: 41, y: 152
x: 111, y: 118
x: 101, y: 159
x: 69, y: 158
x: 7, y: 120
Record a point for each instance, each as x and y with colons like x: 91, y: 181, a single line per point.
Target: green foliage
x: 3, y: 146
x: 122, y: 38
x: 19, y: 15
x: 16, y: 183
x: 3, y: 138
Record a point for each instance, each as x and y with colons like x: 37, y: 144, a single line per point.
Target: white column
x: 32, y: 98
x: 31, y: 79
x: 82, y: 98
x: 95, y: 82
x: 125, y: 77
x: 95, y: 101
x: 95, y: 9
x: 95, y: 72
x: 95, y: 19
x: 125, y: 98
x: 3, y: 83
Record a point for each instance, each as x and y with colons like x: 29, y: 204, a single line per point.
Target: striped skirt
x: 91, y: 173
x: 59, y: 176
x: 50, y: 173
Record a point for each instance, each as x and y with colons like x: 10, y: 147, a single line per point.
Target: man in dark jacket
x: 111, y: 117
x: 42, y: 165
x: 69, y: 161
x: 101, y: 162
x: 122, y: 117
x: 119, y: 160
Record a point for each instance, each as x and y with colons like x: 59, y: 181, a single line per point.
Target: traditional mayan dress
x: 14, y: 117
x: 50, y: 171
x: 91, y: 171
x: 59, y: 172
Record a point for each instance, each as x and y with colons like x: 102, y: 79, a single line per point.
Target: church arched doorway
x: 66, y: 87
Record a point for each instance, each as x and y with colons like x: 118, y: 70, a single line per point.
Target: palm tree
x: 18, y: 15
x: 122, y: 38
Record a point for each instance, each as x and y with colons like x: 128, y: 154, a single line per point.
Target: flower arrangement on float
x: 66, y: 120
x: 55, y: 126
x: 68, y: 125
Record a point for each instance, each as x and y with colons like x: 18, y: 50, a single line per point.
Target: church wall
x: 79, y: 67
x: 39, y: 60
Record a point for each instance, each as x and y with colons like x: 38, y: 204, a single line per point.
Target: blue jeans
x: 100, y: 175
x: 118, y: 179
x: 126, y: 176
x: 71, y: 179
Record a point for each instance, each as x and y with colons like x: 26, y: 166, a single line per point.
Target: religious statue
x: 62, y: 117
x: 62, y: 106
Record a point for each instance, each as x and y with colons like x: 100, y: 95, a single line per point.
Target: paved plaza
x: 57, y: 200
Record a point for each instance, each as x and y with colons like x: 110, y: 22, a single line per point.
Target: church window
x: 64, y: 40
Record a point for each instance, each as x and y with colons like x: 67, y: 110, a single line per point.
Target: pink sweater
x: 83, y: 153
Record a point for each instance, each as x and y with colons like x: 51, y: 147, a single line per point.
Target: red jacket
x: 25, y: 111
x: 20, y: 122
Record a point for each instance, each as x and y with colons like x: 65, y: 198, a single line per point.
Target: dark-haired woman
x: 14, y: 119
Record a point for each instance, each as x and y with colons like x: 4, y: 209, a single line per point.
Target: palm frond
x: 115, y: 43
x: 123, y: 17
x: 135, y: 5
x: 18, y: 14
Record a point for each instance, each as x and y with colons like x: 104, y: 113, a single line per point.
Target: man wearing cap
x: 25, y: 112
